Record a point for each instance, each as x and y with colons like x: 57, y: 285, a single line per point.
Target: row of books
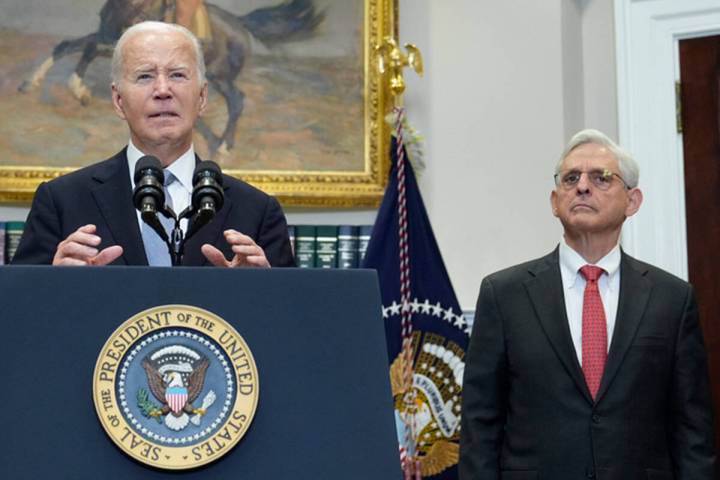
x: 10, y: 233
x: 329, y: 246
x: 315, y: 246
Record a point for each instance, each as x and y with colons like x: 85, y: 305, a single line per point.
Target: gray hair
x: 118, y: 58
x: 628, y: 167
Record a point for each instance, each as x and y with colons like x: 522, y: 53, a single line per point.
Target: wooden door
x: 700, y: 100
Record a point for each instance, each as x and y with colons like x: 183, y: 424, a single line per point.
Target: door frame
x: 647, y: 37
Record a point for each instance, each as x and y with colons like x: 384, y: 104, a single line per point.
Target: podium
x: 325, y: 408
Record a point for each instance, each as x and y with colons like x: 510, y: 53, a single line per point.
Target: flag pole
x: 391, y: 60
x: 406, y: 313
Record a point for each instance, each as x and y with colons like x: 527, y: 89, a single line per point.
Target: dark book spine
x: 13, y: 232
x: 364, y: 232
x: 327, y: 246
x: 2, y: 243
x: 305, y: 246
x: 348, y: 246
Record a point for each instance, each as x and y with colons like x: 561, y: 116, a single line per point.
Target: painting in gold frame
x: 311, y: 131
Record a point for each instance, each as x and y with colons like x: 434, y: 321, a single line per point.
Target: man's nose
x: 583, y: 185
x: 162, y: 87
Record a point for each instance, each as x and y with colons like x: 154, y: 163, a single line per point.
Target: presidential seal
x: 175, y: 387
x: 435, y: 396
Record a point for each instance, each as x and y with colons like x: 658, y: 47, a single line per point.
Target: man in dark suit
x: 87, y: 217
x: 587, y: 363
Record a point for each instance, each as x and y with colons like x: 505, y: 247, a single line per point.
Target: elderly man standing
x: 87, y: 217
x: 587, y: 363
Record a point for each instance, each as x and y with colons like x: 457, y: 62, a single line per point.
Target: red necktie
x: 594, y: 330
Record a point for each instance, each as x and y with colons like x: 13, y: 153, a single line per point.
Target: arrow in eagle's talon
x: 199, y: 412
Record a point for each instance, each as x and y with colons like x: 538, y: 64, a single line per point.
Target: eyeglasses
x: 601, y: 179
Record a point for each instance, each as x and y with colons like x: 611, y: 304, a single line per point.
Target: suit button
x: 596, y: 418
x: 590, y: 473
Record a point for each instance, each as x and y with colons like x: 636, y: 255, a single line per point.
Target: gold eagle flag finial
x: 391, y: 59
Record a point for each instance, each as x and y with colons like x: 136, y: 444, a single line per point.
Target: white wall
x: 506, y: 83
x: 599, y: 67
x: 496, y: 114
x: 12, y: 213
x: 572, y: 67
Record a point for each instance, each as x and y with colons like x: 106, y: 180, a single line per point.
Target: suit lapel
x: 634, y: 295
x: 113, y: 196
x: 546, y: 293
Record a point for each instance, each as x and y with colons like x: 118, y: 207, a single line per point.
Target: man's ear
x: 635, y: 199
x: 117, y: 101
x: 203, y: 98
x: 553, y: 202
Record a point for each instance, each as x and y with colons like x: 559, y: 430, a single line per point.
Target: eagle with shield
x: 175, y: 375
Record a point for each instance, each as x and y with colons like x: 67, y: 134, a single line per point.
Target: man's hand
x: 247, y: 252
x: 79, y: 248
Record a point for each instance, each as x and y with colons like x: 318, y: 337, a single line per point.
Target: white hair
x: 629, y: 169
x: 118, y: 58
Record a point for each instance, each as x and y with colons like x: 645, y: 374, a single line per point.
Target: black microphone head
x: 207, y: 187
x: 149, y: 178
x: 207, y: 168
x: 149, y: 165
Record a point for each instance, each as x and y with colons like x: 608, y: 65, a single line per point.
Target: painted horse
x: 225, y: 51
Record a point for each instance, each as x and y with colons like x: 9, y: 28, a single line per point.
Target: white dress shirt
x: 574, y: 290
x: 180, y: 190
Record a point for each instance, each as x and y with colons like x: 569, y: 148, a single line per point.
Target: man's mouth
x: 164, y: 114
x: 582, y: 206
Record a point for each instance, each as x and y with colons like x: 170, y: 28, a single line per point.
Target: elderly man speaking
x: 87, y: 217
x: 587, y: 363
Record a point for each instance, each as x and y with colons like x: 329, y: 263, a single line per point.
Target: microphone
x: 149, y: 196
x: 207, y: 196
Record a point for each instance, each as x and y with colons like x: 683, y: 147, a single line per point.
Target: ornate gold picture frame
x: 311, y: 128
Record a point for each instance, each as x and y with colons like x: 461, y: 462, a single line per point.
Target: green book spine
x: 364, y: 232
x: 348, y: 246
x: 2, y: 243
x: 305, y: 246
x: 13, y: 232
x: 327, y: 246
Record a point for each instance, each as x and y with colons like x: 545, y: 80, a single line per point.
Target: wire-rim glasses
x: 602, y: 179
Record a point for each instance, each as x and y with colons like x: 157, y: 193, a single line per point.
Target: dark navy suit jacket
x: 527, y: 412
x: 101, y: 194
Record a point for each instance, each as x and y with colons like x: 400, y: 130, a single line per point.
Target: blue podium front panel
x: 317, y: 336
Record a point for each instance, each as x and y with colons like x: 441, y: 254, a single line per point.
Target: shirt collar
x: 182, y: 168
x: 571, y: 261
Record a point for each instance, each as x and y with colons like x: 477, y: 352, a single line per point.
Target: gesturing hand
x: 79, y: 248
x: 247, y: 252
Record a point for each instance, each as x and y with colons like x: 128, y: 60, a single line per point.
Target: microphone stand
x: 176, y: 244
x: 176, y: 240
